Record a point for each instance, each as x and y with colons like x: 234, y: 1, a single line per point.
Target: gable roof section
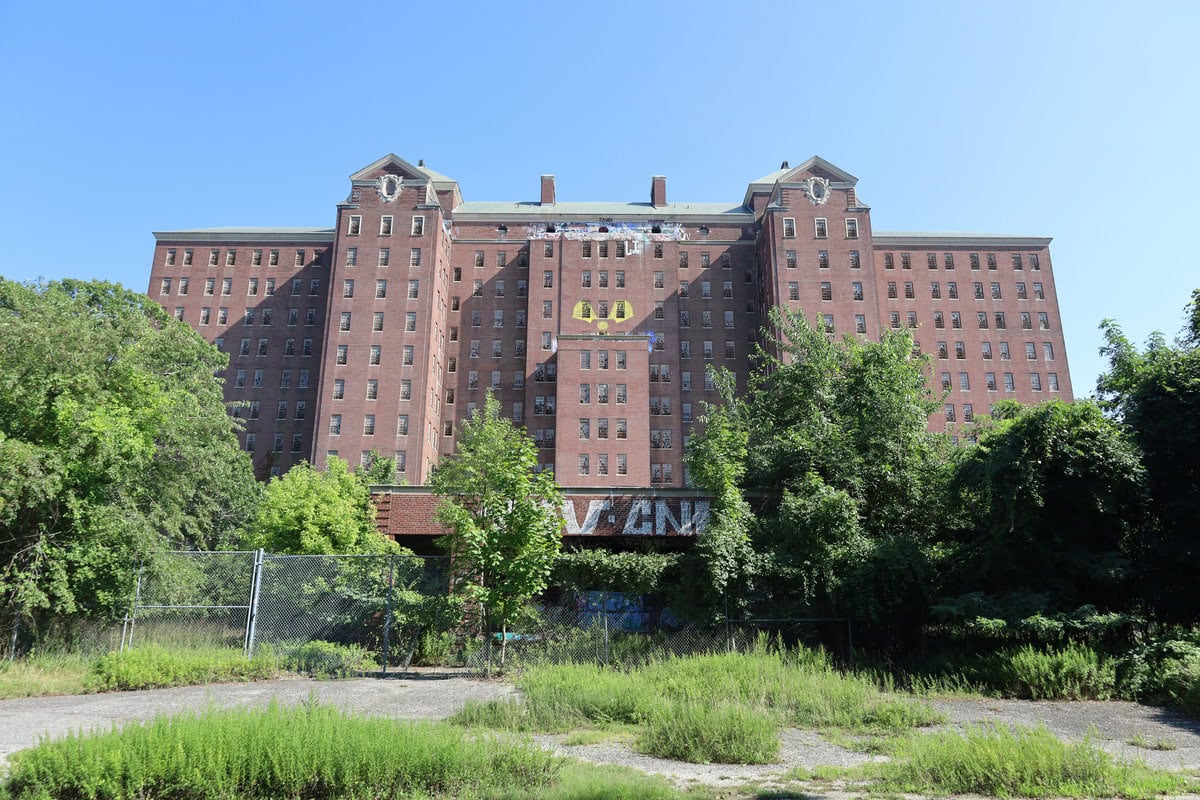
x: 390, y: 160
x: 768, y: 182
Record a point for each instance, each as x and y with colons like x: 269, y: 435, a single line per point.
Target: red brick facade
x: 593, y: 323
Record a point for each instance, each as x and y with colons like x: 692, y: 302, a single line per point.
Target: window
x: 908, y: 290
x: 989, y: 378
x: 658, y: 280
x: 297, y: 442
x: 418, y: 226
x: 385, y: 256
x: 820, y: 228
x: 302, y: 383
x: 1038, y: 292
x: 964, y: 381
x: 955, y: 319
x: 1009, y: 384
x: 1016, y: 261
x: 248, y: 318
x: 946, y: 381
x: 583, y: 464
x: 974, y: 260
x: 851, y: 228
x: 335, y: 425
x: 314, y: 287
x: 1026, y: 321
x: 968, y: 412
x: 227, y: 286
x: 250, y: 442
x: 548, y: 250
x: 498, y: 318
x: 948, y: 260
x: 1004, y: 351
x: 376, y: 352
x: 310, y: 316
x: 339, y: 389
x: 730, y: 349
x: 414, y: 289
x: 1048, y: 351
x: 621, y: 363
x: 891, y: 290
x: 931, y: 260
x: 789, y: 228
x: 1043, y: 321
x: 222, y: 315
x: 823, y: 259
x: 347, y: 288
x: 983, y: 319
x: 895, y: 319
x: 262, y: 347
x: 912, y: 319
x: 942, y: 350
x: 295, y: 286
x: 728, y: 319
x: 204, y: 314
x: 402, y: 425
x: 960, y: 350
x: 1034, y: 261
x: 497, y: 348
x: 380, y: 289
x: 949, y: 412
x: 987, y: 350
x: 165, y: 286
x: 855, y: 260
x: 406, y: 390
x: 996, y: 291
x: 939, y: 319
x: 1022, y: 293
x: 354, y: 225
x: 860, y: 323
x: 1052, y: 380
x: 906, y: 261
x: 1031, y: 351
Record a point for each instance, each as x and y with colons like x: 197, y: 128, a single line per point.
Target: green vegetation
x: 114, y: 444
x: 703, y: 708
x: 153, y: 666
x: 504, y: 518
x: 1138, y: 740
x: 305, y: 752
x: 308, y: 511
x: 998, y: 761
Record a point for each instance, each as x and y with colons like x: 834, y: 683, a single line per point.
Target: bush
x: 998, y: 761
x: 302, y: 752
x: 1165, y: 673
x: 1076, y: 672
x: 152, y: 667
x: 323, y: 659
x: 701, y: 732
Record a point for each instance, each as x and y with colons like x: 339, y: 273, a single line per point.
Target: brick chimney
x: 547, y: 190
x: 658, y: 190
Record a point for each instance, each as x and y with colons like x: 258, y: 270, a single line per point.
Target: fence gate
x: 195, y: 599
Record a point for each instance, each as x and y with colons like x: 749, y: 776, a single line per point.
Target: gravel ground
x: 435, y: 696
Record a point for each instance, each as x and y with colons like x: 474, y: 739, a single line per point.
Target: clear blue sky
x: 1072, y: 120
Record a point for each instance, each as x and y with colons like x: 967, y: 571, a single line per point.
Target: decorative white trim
x: 816, y: 190
x: 388, y: 187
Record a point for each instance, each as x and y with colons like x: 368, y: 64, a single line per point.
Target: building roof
x: 239, y: 234
x: 956, y: 239
x: 594, y: 210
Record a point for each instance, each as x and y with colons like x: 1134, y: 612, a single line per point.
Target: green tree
x: 504, y: 519
x: 114, y: 444
x: 832, y: 436
x: 1055, y: 494
x: 377, y: 471
x: 307, y: 511
x: 1155, y: 394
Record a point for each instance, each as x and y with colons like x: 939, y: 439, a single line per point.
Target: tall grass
x: 43, y: 674
x: 300, y: 752
x: 153, y: 667
x: 704, y: 708
x: 1000, y: 761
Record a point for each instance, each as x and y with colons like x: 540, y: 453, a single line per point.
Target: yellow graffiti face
x: 620, y: 311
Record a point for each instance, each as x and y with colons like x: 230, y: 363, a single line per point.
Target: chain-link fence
x: 615, y: 629
x: 380, y: 603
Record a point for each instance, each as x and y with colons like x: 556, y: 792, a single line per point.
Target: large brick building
x: 595, y: 324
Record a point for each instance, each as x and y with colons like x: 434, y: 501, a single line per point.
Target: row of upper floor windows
x: 387, y: 225
x: 1018, y: 260
x: 172, y: 257
x: 268, y: 286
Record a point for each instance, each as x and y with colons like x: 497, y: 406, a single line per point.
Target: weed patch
x: 301, y: 752
x: 703, y: 733
x: 1000, y: 761
x: 153, y: 667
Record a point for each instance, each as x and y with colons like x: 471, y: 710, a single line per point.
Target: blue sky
x: 1072, y: 120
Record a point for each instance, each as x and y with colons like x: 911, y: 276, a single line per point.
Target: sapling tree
x: 503, y: 518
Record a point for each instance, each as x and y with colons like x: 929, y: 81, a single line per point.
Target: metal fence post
x: 252, y: 611
x: 604, y: 609
x: 387, y: 617
x: 12, y: 648
x: 131, y: 617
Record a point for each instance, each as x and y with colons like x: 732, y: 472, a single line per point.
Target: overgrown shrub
x: 1164, y: 672
x: 324, y: 659
x: 999, y: 761
x: 701, y: 731
x: 302, y: 752
x: 1074, y: 673
x: 152, y: 667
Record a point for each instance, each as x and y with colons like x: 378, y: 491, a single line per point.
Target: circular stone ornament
x: 816, y: 190
x: 388, y: 187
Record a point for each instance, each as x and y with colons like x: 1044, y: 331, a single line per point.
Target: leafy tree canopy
x: 306, y: 511
x: 1155, y: 393
x: 114, y: 443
